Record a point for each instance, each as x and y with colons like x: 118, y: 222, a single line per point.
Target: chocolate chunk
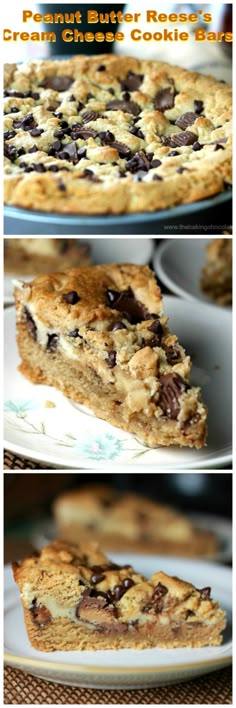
x: 125, y: 301
x: 57, y: 83
x: 107, y: 137
x: 83, y: 133
x: 171, y: 388
x: 118, y: 325
x: 30, y: 324
x: 40, y: 613
x: 26, y: 123
x: 52, y: 343
x: 197, y: 146
x: 137, y: 162
x: 185, y: 120
x: 164, y: 100
x: 36, y: 132
x: 72, y: 297
x: 198, y: 106
x: 97, y: 578
x: 173, y: 354
x: 136, y: 131
x: 132, y: 81
x: 10, y: 152
x: 182, y: 139
x: 126, y: 106
x: 123, y: 150
x: 89, y: 115
x: 111, y: 358
x: 205, y: 593
x: 69, y: 152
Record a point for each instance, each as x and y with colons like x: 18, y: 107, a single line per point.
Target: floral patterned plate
x: 44, y: 425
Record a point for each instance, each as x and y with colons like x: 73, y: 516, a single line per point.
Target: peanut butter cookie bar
x: 75, y: 598
x: 128, y: 521
x: 108, y: 134
x: 98, y: 334
x: 31, y: 256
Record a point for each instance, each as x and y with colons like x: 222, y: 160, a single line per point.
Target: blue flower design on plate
x: 19, y: 406
x: 106, y: 448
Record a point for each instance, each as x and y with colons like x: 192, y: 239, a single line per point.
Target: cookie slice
x: 75, y: 598
x: 99, y: 335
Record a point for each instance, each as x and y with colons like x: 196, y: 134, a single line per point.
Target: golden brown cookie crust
x: 126, y: 164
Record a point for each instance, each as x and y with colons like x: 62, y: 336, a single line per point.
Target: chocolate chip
x: 173, y: 354
x: 74, y: 333
x: 26, y: 123
x: 36, y: 132
x: 111, y: 358
x: 139, y: 161
x: 185, y: 120
x: 33, y: 149
x: 82, y: 152
x: 156, y: 327
x: 182, y: 139
x: 101, y: 67
x: 125, y: 302
x: 205, y: 593
x: 10, y: 152
x: 173, y: 153
x: 132, y: 81
x: 97, y: 578
x: 118, y: 592
x: 52, y: 343
x: 164, y: 100
x: 9, y: 134
x: 157, y: 178
x: 89, y: 174
x: 40, y: 613
x: 71, y: 98
x: 198, y: 106
x: 58, y: 134
x: 30, y: 324
x: 126, y: 106
x: 171, y: 388
x: 57, y: 83
x: 197, y: 146
x: 89, y: 115
x: 118, y: 325
x: 107, y: 137
x: 53, y: 168
x: 61, y: 186
x: 155, y: 163
x: 137, y: 132
x: 72, y: 297
x: 218, y: 147
x: 14, y: 109
x: 181, y: 169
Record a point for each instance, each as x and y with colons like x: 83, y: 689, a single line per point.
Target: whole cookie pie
x: 108, y: 134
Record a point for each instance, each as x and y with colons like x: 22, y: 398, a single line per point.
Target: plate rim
x: 176, y: 289
x: 225, y: 458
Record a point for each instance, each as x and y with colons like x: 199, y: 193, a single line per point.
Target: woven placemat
x: 23, y: 689
x: 16, y: 462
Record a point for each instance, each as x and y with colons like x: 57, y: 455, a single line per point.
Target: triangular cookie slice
x: 75, y: 598
x: 99, y: 335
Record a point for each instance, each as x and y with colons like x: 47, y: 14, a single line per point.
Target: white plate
x: 70, y: 436
x: 45, y: 531
x: 178, y: 263
x: 124, y: 668
x: 103, y: 250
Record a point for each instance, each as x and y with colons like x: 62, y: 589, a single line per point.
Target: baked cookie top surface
x: 113, y: 134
